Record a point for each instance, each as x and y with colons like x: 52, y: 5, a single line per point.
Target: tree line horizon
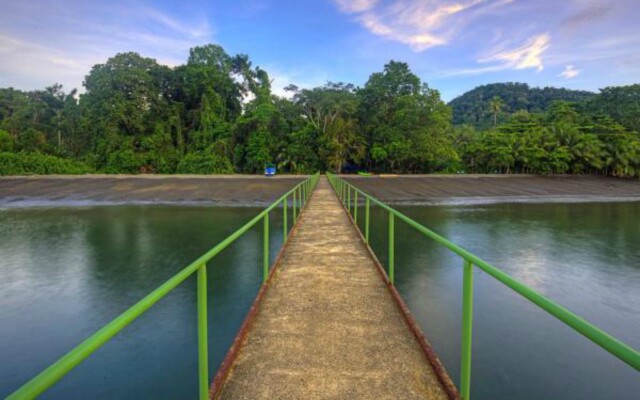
x: 217, y: 114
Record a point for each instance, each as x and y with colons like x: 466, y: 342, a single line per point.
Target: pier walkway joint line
x: 328, y: 326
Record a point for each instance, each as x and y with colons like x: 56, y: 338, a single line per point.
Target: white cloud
x: 35, y: 52
x: 416, y: 41
x: 570, y: 72
x: 187, y: 28
x: 26, y: 64
x: 528, y: 55
x: 417, y: 24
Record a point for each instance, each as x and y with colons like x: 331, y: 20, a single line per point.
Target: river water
x: 68, y: 271
x: 584, y: 256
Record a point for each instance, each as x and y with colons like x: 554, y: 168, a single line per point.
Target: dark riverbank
x: 484, y: 189
x: 254, y: 190
x: 223, y: 190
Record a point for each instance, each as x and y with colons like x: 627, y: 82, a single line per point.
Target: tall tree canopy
x: 217, y: 114
x: 405, y: 123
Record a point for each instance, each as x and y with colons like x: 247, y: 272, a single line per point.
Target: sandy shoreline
x: 255, y: 190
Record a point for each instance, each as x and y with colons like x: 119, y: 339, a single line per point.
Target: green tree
x: 31, y: 139
x: 495, y: 105
x: 331, y: 112
x: 122, y: 95
x: 405, y: 123
x: 6, y: 142
x: 621, y: 103
x: 258, y: 131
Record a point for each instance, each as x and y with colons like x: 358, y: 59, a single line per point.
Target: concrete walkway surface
x: 328, y: 327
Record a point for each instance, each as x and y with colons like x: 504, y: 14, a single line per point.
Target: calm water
x: 584, y: 256
x: 66, y: 272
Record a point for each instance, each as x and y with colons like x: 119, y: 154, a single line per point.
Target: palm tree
x: 496, y: 104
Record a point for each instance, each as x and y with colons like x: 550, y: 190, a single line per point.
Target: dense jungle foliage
x: 217, y: 114
x: 474, y: 107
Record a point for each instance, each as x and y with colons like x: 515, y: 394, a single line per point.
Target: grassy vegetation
x: 39, y: 164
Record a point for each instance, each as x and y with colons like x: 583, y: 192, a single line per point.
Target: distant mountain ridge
x: 473, y: 107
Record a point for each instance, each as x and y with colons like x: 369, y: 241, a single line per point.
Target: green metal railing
x: 47, y: 378
x: 614, y: 346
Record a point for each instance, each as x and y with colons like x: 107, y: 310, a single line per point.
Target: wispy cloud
x: 24, y: 62
x: 187, y: 28
x: 418, y: 24
x: 417, y: 40
x: 570, y: 72
x: 36, y: 52
x: 47, y: 41
x: 528, y: 55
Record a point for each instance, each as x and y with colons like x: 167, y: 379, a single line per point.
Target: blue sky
x: 452, y: 45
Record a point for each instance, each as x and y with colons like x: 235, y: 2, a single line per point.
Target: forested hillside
x: 217, y: 114
x: 475, y: 106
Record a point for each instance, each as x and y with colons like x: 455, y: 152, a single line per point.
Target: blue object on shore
x: 270, y: 169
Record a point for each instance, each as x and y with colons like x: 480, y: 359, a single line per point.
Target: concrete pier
x: 328, y: 326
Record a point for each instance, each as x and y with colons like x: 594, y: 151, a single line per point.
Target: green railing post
x: 355, y: 207
x: 349, y: 199
x: 285, y: 225
x: 203, y: 352
x: 366, y: 219
x: 392, y: 230
x: 295, y: 215
x: 467, y: 325
x: 303, y: 193
x: 265, y: 253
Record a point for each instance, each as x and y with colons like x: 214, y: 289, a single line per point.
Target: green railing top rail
x: 614, y: 346
x: 64, y: 365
